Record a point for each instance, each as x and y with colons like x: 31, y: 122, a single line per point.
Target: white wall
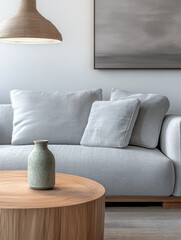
x: 69, y: 65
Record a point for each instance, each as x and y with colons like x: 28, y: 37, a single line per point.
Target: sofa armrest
x: 170, y: 144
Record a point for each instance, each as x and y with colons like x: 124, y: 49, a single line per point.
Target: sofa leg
x: 171, y: 205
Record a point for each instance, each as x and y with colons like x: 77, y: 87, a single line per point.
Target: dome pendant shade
x: 28, y: 26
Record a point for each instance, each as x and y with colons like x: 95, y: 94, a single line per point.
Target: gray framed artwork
x: 137, y: 34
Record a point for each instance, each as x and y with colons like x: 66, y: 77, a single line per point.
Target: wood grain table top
x: 69, y: 190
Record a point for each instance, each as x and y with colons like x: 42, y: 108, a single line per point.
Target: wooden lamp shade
x: 28, y: 26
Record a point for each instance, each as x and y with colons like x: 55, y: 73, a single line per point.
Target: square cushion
x: 111, y: 123
x: 152, y: 112
x: 59, y: 118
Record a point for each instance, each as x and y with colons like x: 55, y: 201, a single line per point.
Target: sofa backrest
x: 6, y: 123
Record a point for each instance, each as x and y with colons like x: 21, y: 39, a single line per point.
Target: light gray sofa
x: 133, y: 171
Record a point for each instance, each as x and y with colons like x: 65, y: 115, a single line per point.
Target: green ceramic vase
x: 41, y: 167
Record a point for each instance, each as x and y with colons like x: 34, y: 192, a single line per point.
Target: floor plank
x: 142, y: 223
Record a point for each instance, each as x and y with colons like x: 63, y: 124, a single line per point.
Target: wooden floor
x: 142, y: 223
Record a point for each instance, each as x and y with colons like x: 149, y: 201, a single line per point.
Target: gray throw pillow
x: 152, y: 112
x: 59, y: 118
x: 110, y: 124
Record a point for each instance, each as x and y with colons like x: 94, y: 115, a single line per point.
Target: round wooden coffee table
x: 73, y: 210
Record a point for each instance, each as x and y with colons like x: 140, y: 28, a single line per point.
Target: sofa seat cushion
x: 133, y: 171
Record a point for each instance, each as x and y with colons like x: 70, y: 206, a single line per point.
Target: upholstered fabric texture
x: 110, y: 124
x: 132, y: 171
x: 59, y: 118
x: 6, y: 123
x: 170, y: 144
x: 149, y: 121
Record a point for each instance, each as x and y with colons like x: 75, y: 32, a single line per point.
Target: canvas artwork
x: 137, y: 34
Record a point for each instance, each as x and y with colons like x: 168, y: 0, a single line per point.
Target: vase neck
x: 27, y: 6
x: 41, y: 144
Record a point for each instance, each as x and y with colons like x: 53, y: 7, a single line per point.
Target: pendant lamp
x: 28, y: 26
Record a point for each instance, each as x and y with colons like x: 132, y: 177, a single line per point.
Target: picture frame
x: 147, y: 45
